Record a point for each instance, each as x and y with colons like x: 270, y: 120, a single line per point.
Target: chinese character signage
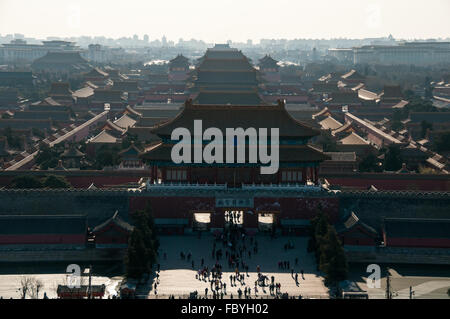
x: 234, y: 202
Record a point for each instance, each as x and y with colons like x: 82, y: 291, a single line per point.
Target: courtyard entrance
x: 201, y: 221
x: 266, y: 221
x: 234, y: 218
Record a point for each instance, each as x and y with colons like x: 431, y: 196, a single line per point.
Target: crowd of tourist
x: 232, y: 249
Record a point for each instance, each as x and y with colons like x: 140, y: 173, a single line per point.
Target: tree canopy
x: 370, y: 163
x: 107, y: 156
x: 330, y: 255
x: 143, y: 245
x: 333, y: 261
x: 26, y: 182
x: 34, y: 182
x: 47, y: 157
x: 393, y: 160
x: 55, y: 182
x: 442, y: 142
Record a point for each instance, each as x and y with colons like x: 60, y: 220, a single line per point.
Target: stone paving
x: 427, y: 281
x: 178, y: 278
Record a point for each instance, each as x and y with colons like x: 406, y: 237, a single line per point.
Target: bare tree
x: 36, y: 286
x: 25, y: 286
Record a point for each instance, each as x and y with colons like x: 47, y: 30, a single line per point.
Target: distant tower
x: 314, y: 54
x: 164, y: 41
x: 146, y: 38
x: 270, y: 69
x: 179, y: 69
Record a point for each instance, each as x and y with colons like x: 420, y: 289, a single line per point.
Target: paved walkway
x: 424, y: 282
x: 425, y: 289
x: 177, y: 276
x: 10, y: 284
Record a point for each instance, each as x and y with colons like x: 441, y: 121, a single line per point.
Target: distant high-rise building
x: 146, y: 38
x: 417, y: 53
x: 18, y: 50
x: 314, y: 54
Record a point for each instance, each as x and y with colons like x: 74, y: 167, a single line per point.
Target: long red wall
x: 100, y: 181
x: 299, y: 208
x: 173, y: 207
x: 81, y: 179
x: 44, y: 239
x: 418, y: 242
x: 288, y: 208
x: 361, y: 181
x: 111, y: 235
x: 390, y: 181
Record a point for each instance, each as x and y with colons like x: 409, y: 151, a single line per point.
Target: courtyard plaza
x: 427, y: 281
x: 178, y: 278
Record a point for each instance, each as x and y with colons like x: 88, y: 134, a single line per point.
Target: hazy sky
x: 218, y: 21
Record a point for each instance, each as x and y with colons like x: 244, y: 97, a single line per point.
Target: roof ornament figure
x: 281, y: 102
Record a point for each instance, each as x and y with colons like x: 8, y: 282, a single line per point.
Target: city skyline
x: 220, y: 22
x: 225, y: 150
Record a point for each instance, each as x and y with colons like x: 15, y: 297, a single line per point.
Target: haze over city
x: 225, y: 150
x: 219, y: 21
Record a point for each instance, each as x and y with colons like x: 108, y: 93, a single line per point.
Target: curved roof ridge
x: 281, y: 115
x: 115, y: 219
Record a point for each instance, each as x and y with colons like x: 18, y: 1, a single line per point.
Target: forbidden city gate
x: 235, y: 184
x: 234, y: 218
x: 267, y: 221
x: 201, y: 221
